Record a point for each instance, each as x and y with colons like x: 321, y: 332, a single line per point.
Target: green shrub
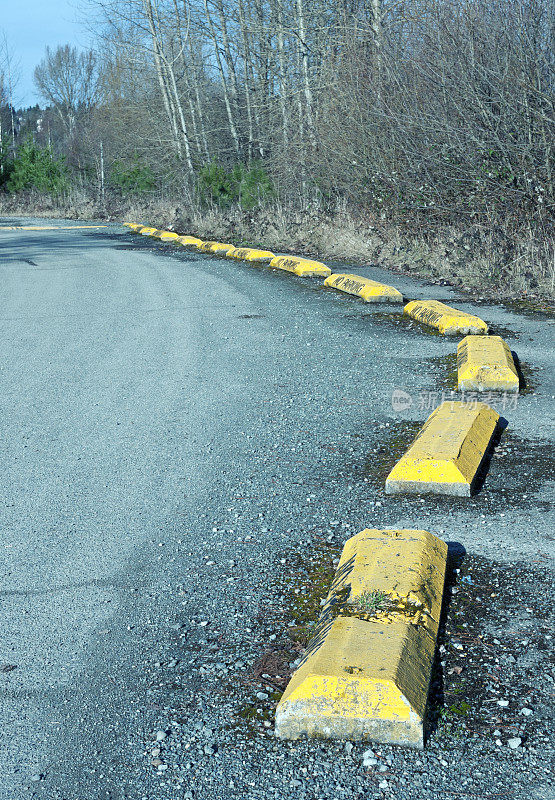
x: 36, y: 167
x: 254, y: 186
x: 214, y: 184
x: 134, y: 178
x: 247, y: 186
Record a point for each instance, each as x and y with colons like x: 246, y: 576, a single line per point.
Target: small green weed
x: 370, y: 602
x: 451, y: 718
x: 460, y: 710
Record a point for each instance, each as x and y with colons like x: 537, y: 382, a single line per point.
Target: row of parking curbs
x: 485, y: 363
x: 367, y: 669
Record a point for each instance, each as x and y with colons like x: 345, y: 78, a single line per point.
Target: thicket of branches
x: 441, y: 109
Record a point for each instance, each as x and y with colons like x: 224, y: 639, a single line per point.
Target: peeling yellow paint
x: 367, y: 678
x: 447, y: 320
x: 485, y: 363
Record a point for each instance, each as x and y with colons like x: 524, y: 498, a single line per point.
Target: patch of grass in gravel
x: 310, y: 583
x: 501, y: 330
x: 299, y: 596
x: 397, y: 319
x: 533, y: 309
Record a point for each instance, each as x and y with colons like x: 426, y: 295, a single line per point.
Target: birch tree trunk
x: 305, y: 73
x: 283, y: 92
x: 248, y: 81
x: 225, y: 87
x: 158, y: 63
x: 196, y: 81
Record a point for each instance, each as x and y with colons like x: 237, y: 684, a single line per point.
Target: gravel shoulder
x: 188, y: 444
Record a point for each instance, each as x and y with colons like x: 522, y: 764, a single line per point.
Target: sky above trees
x: 31, y: 25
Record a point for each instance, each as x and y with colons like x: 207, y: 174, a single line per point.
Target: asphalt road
x: 169, y: 419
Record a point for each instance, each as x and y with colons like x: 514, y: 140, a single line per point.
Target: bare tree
x: 8, y: 84
x: 68, y: 80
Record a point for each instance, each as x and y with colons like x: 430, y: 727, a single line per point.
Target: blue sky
x: 29, y: 26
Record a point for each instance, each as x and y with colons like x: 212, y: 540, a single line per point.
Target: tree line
x: 436, y: 109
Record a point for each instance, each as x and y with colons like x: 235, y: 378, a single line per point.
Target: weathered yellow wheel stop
x: 251, y: 254
x: 485, y: 363
x: 447, y: 453
x: 370, y: 291
x: 366, y: 671
x: 219, y: 248
x: 304, y: 267
x: 189, y: 241
x: 447, y: 320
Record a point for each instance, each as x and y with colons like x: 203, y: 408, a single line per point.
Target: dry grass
x: 497, y: 262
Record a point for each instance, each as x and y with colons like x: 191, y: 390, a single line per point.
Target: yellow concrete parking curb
x: 251, y: 254
x: 218, y: 248
x: 134, y: 226
x: 370, y: 291
x: 367, y: 669
x: 304, y: 267
x: 147, y: 231
x: 485, y: 363
x: 447, y: 453
x: 189, y: 241
x: 167, y: 236
x: 447, y: 320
